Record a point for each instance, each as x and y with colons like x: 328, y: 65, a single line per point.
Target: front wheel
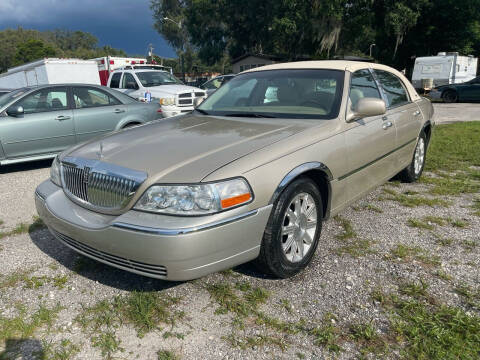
x: 414, y: 170
x: 293, y: 230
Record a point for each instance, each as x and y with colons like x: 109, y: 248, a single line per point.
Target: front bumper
x: 168, y: 111
x: 159, y: 246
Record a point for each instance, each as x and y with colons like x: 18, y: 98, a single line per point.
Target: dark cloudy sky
x: 125, y: 24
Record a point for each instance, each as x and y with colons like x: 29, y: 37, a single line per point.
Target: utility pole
x: 179, y: 24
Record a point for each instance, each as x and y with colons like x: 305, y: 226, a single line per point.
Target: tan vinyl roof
x: 345, y: 65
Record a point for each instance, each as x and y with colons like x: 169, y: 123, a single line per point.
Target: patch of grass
x: 472, y: 297
x: 347, y: 229
x: 108, y: 343
x: 409, y: 253
x: 1, y: 222
x: 416, y: 223
x: 476, y: 206
x: 23, y: 228
x: 458, y: 223
x: 443, y: 275
x: 441, y: 240
x: 408, y: 200
x: 356, y: 248
x: 64, y: 350
x: 14, y: 278
x: 452, y: 184
x: 446, y: 152
x: 469, y: 244
x: 245, y: 342
x: 21, y: 327
x: 414, y: 289
x: 438, y: 220
x: 328, y: 335
x: 286, y: 305
x: 167, y: 355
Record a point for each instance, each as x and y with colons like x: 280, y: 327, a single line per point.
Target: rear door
x: 402, y: 112
x: 46, y: 127
x: 370, y: 141
x: 95, y: 112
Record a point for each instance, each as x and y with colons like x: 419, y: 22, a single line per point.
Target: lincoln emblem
x: 86, y: 174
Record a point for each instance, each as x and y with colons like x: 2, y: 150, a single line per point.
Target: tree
x: 31, y: 50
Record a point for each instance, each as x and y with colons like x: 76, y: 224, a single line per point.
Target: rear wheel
x: 413, y: 171
x: 450, y: 96
x: 293, y: 230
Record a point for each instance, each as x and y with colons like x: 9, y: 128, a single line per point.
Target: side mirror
x: 197, y: 101
x: 15, y: 111
x: 366, y: 107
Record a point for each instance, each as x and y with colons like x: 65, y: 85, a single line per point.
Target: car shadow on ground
x: 33, y: 165
x: 23, y: 349
x: 94, y: 270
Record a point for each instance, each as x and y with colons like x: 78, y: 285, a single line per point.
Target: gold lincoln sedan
x: 250, y: 174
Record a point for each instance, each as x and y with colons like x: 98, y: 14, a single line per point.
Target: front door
x: 369, y: 141
x: 96, y: 112
x: 46, y: 127
x: 470, y: 91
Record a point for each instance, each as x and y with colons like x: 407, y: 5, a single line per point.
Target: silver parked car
x: 39, y: 122
x: 251, y: 174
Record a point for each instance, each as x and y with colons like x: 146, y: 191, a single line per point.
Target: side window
x: 271, y: 94
x: 393, y: 88
x: 210, y: 85
x: 128, y: 81
x: 45, y: 100
x: 85, y: 97
x: 363, y: 85
x: 115, y: 82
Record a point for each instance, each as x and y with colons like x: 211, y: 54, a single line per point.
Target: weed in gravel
x: 443, y: 275
x: 367, y: 338
x: 458, y: 223
x: 1, y: 222
x: 286, y: 305
x: 417, y: 223
x: 14, y: 278
x: 243, y: 286
x: 416, y: 290
x: 476, y: 206
x: 452, y: 184
x: 328, y: 335
x: 409, y: 253
x: 408, y: 200
x: 469, y: 244
x: 245, y: 342
x: 34, y: 282
x: 23, y: 228
x: 347, y: 229
x: 166, y: 355
x: 108, y: 343
x: 367, y: 206
x: 64, y: 350
x: 356, y: 248
x: 21, y: 327
x: 472, y: 297
x: 441, y: 240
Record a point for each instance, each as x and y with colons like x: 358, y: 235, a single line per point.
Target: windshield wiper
x: 202, y: 112
x: 255, y: 115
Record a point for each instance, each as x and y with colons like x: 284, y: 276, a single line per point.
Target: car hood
x: 173, y: 89
x: 187, y: 148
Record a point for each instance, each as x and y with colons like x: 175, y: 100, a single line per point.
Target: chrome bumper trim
x: 188, y: 230
x: 40, y: 195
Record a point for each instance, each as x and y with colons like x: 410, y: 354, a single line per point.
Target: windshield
x: 307, y: 94
x: 157, y: 78
x: 7, y: 98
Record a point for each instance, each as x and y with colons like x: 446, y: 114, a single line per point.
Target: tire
x: 302, y: 232
x: 414, y: 170
x: 450, y: 96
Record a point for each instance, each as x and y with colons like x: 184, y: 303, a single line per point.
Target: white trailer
x: 443, y: 69
x: 51, y: 71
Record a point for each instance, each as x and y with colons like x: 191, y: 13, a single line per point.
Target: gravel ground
x: 335, y: 283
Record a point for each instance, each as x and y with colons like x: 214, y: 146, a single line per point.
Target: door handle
x: 118, y: 111
x: 386, y: 125
x: 62, y: 117
x: 416, y: 113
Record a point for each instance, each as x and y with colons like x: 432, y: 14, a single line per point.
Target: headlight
x: 195, y: 199
x: 55, y: 172
x: 167, y: 101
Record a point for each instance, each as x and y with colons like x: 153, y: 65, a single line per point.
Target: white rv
x: 51, y: 71
x: 443, y: 69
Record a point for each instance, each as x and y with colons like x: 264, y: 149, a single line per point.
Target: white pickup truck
x: 150, y: 83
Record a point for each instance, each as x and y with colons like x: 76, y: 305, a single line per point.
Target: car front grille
x: 99, y: 185
x: 187, y: 99
x: 147, y: 269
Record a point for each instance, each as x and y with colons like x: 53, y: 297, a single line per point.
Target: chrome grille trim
x: 147, y: 269
x: 98, y: 185
x: 187, y: 99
